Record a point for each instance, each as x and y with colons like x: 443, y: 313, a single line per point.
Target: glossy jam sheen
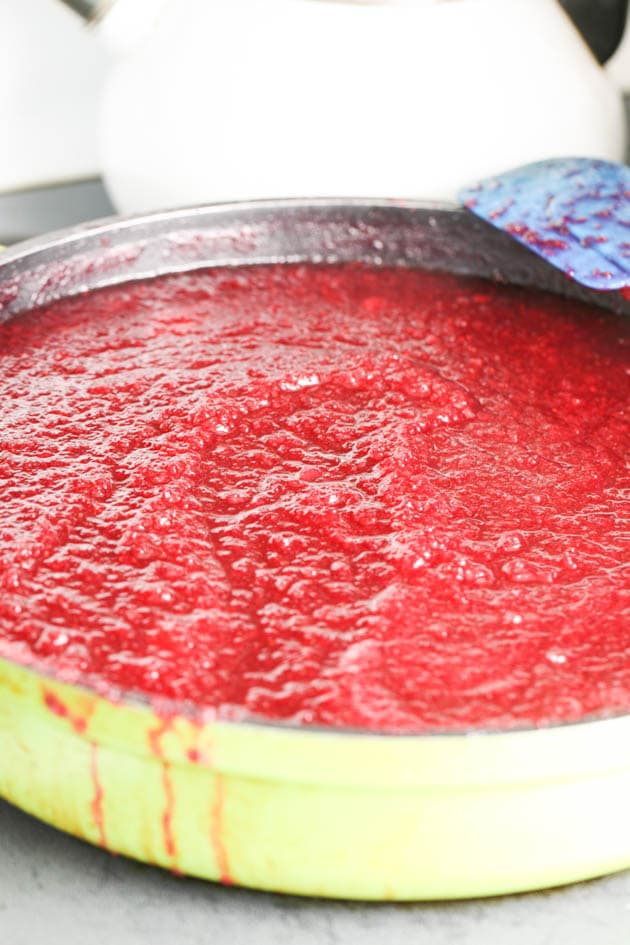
x: 336, y: 495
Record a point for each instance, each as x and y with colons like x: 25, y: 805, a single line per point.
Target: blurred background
x: 159, y: 103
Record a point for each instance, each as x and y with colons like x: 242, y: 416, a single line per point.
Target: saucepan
x: 295, y: 808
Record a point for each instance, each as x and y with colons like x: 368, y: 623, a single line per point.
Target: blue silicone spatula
x: 574, y: 212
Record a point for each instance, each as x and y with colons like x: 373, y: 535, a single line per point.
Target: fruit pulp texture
x: 337, y: 495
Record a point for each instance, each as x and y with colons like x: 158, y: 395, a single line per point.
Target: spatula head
x: 574, y: 212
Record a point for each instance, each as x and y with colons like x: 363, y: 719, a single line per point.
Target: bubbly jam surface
x: 335, y: 495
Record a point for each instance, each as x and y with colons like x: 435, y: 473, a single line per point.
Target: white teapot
x: 216, y: 100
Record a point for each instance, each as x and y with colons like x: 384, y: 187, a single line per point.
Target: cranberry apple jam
x: 335, y: 495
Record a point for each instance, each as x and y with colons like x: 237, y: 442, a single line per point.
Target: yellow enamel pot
x: 289, y: 808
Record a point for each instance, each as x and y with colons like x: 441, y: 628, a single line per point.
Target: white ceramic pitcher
x: 214, y: 100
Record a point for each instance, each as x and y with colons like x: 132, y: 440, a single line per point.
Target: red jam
x: 334, y: 495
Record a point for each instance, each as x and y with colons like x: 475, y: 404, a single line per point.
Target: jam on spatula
x: 574, y: 212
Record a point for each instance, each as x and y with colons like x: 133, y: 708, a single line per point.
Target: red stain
x: 80, y: 723
x: 591, y: 240
x: 57, y: 707
x: 501, y: 211
x: 97, y: 801
x: 155, y: 737
x: 169, y: 810
x: 199, y: 755
x: 155, y: 744
x: 532, y: 238
x: 216, y: 833
x: 561, y: 227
